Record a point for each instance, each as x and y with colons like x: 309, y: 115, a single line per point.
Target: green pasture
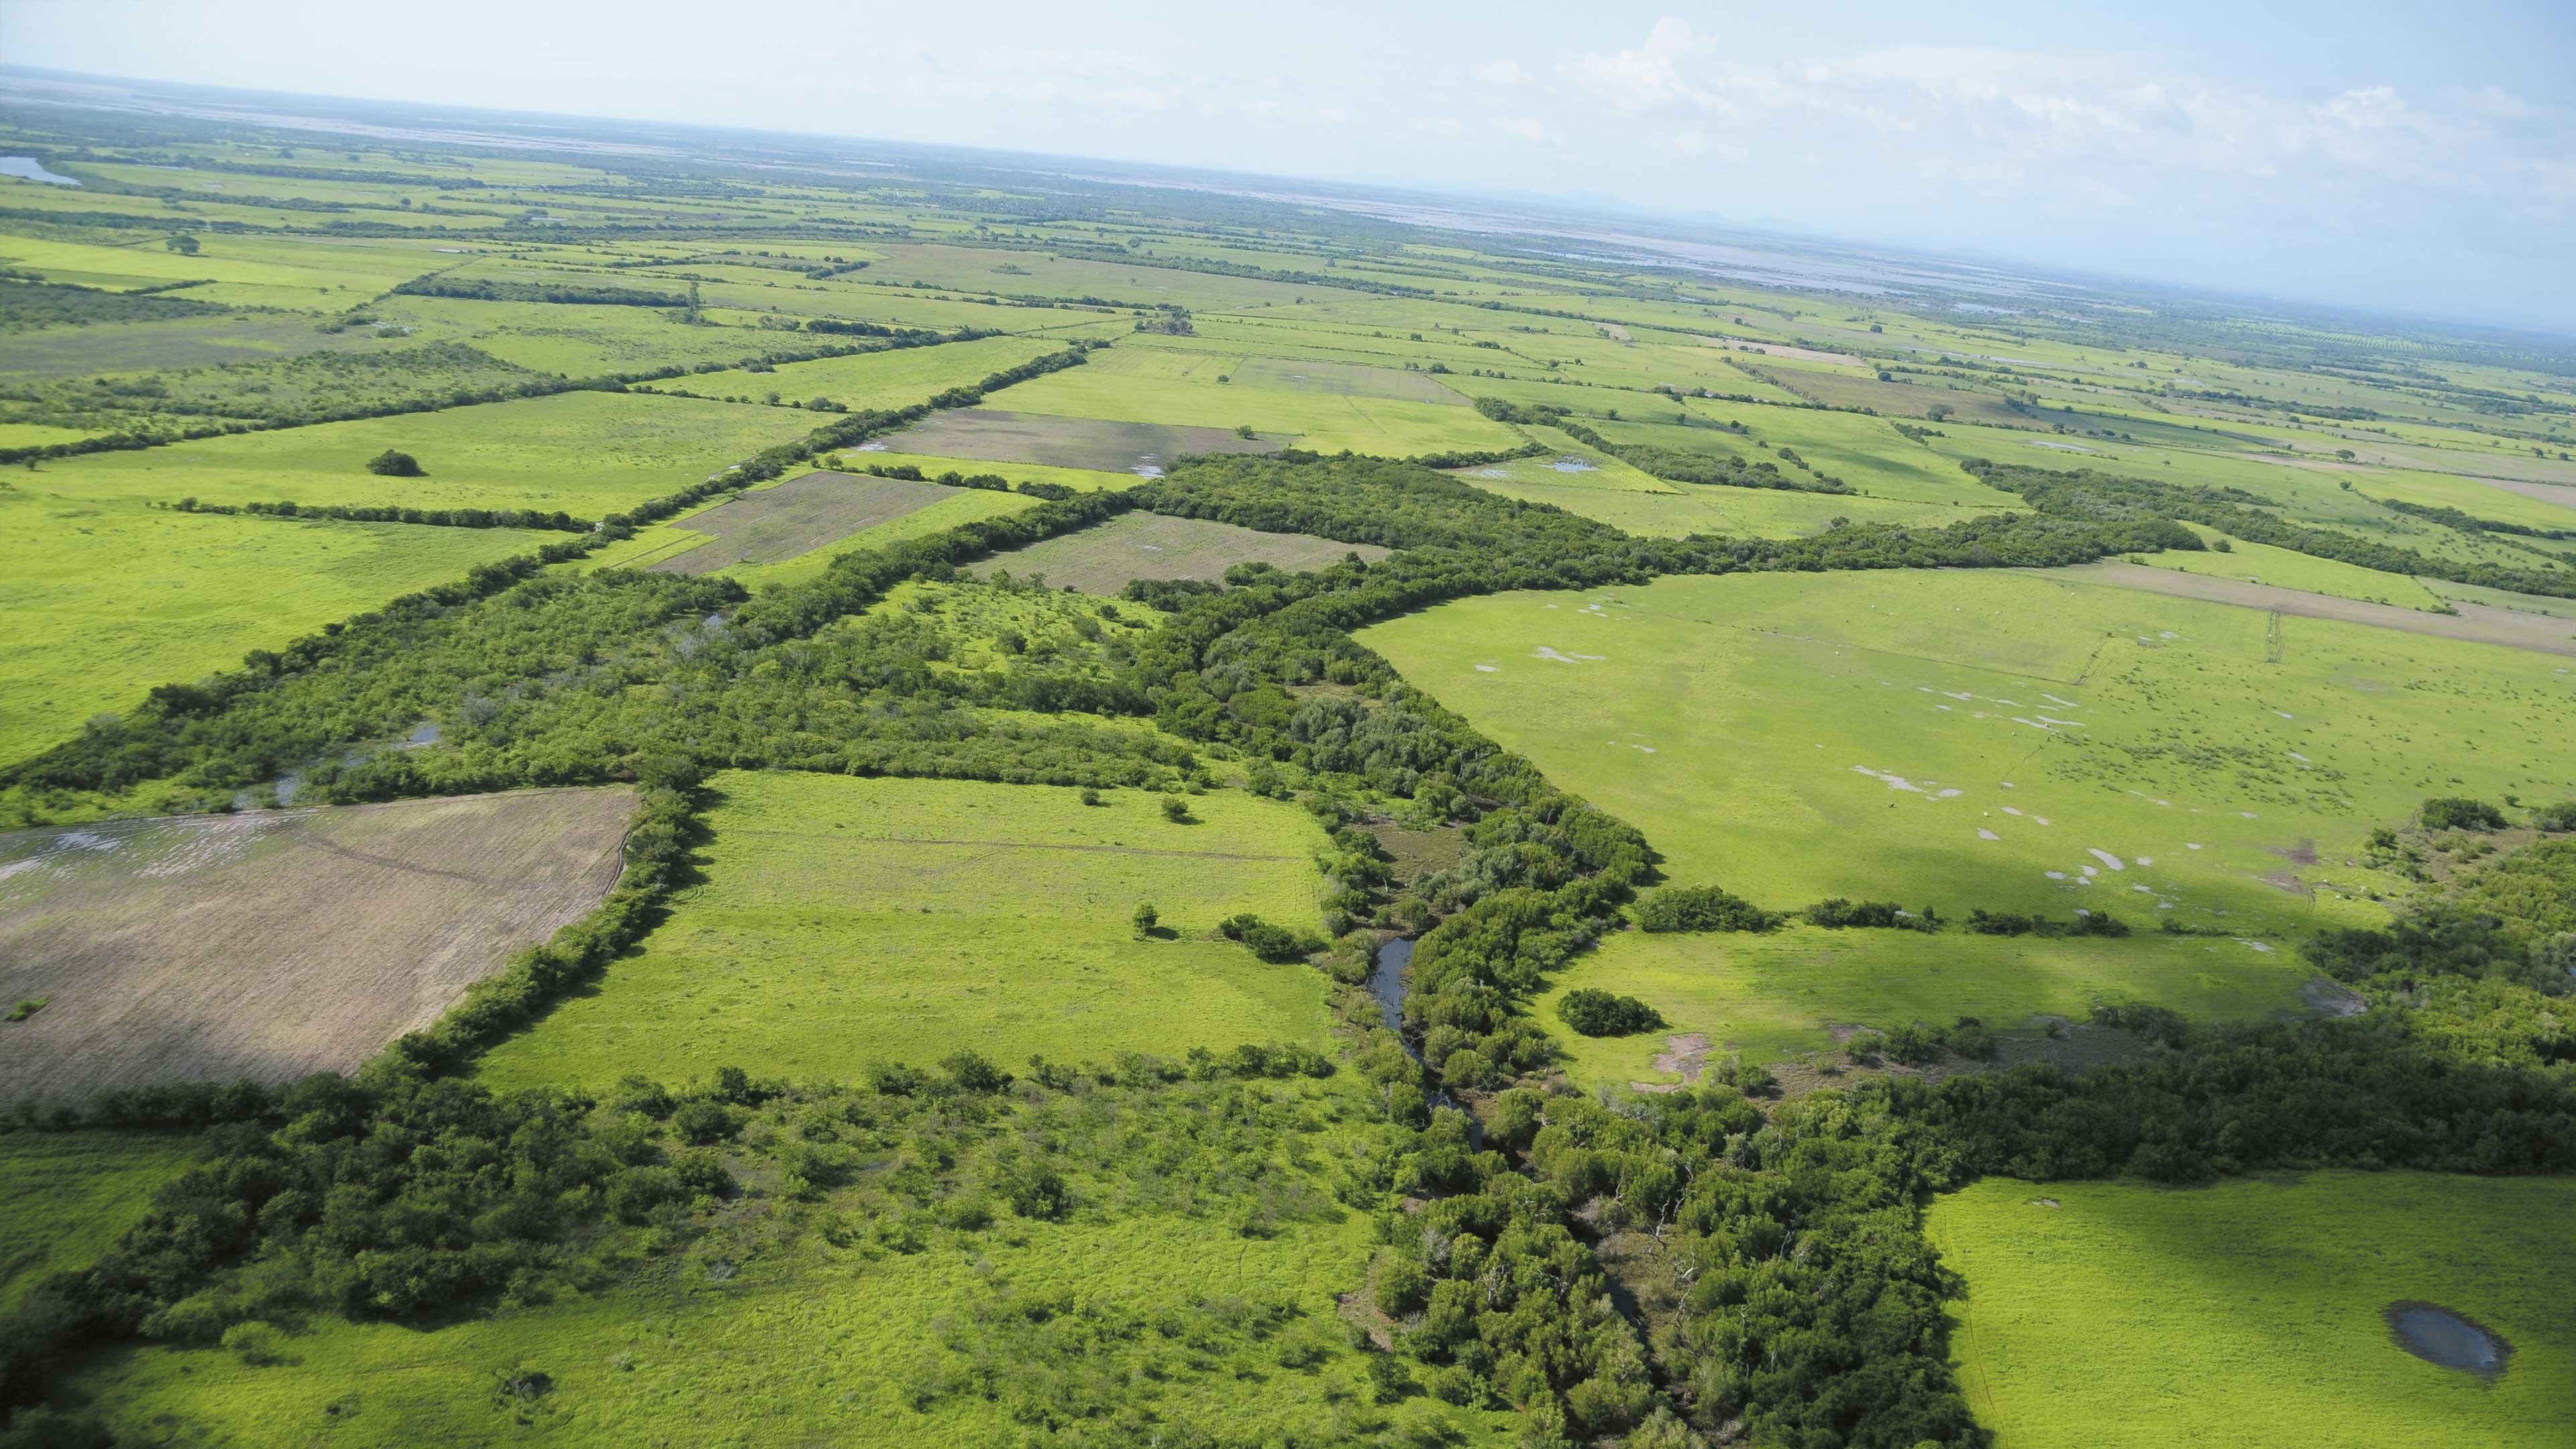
x: 1831, y: 714
x: 2248, y: 1314
x: 65, y: 1197
x: 848, y: 920
x: 1778, y: 995
x: 108, y: 598
x: 1593, y: 484
x: 587, y: 453
x: 2262, y: 563
x: 874, y: 379
x: 2005, y: 740
x: 1143, y: 384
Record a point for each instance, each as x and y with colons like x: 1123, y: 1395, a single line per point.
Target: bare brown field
x: 2476, y: 623
x: 1343, y: 379
x: 1103, y: 559
x: 795, y: 518
x: 1000, y: 437
x: 273, y: 944
x: 1783, y: 349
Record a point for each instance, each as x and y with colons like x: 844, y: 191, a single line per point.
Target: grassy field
x: 1595, y: 485
x: 1102, y: 559
x: 2003, y: 740
x: 2249, y: 1314
x: 162, y: 951
x: 1778, y: 995
x: 1325, y: 412
x: 849, y: 920
x: 586, y: 453
x: 108, y: 598
x: 65, y: 1196
x: 875, y: 379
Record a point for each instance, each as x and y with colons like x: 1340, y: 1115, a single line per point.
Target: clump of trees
x: 1273, y: 943
x: 394, y: 463
x: 1703, y: 908
x: 1595, y: 1012
x: 2459, y: 812
x: 1838, y: 914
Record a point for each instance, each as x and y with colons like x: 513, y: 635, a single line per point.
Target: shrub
x: 392, y: 463
x: 1914, y: 1044
x: 2554, y: 818
x: 1702, y: 908
x: 1276, y: 944
x: 1176, y: 809
x: 1594, y: 1012
x: 2458, y: 812
x: 1837, y: 914
x: 972, y: 1072
x: 703, y: 1124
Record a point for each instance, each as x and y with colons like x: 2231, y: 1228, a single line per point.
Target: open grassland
x: 813, y: 511
x: 846, y: 920
x: 106, y: 600
x: 2468, y: 619
x: 585, y: 453
x: 2012, y: 741
x: 272, y: 944
x: 65, y: 1196
x: 2248, y: 1314
x: 1784, y: 993
x: 892, y: 379
x: 1950, y: 738
x: 1065, y: 442
x: 1144, y: 384
x: 1593, y: 484
x: 2263, y: 563
x: 1105, y: 557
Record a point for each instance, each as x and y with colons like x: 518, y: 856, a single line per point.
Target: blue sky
x: 2418, y: 158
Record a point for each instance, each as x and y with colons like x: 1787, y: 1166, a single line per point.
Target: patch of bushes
x: 1276, y: 944
x: 2459, y: 812
x: 1703, y: 908
x: 1594, y: 1012
x: 1839, y: 914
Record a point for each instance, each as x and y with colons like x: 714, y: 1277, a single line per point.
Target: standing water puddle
x: 2437, y: 1335
x: 1386, y: 983
x: 28, y: 168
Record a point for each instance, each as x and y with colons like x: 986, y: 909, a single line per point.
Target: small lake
x: 28, y: 168
x: 2437, y: 1335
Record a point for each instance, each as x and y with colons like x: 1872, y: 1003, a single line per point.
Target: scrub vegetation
x: 798, y: 777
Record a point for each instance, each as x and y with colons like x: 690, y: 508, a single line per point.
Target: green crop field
x: 756, y: 966
x: 2249, y: 1313
x: 64, y: 1198
x: 1143, y: 384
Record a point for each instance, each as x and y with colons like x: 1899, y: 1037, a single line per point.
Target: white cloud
x: 1502, y: 73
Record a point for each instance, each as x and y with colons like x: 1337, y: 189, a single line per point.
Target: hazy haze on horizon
x: 2372, y: 155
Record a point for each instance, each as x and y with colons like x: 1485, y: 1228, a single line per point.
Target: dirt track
x: 272, y: 944
x: 2475, y: 623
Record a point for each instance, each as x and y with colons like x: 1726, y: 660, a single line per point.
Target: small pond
x: 2437, y: 1335
x: 1386, y: 983
x: 28, y: 168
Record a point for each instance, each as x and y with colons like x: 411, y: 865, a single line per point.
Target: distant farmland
x: 274, y: 944
x: 1066, y: 442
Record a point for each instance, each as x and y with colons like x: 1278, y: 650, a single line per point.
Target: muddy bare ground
x: 276, y: 943
x: 769, y: 525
